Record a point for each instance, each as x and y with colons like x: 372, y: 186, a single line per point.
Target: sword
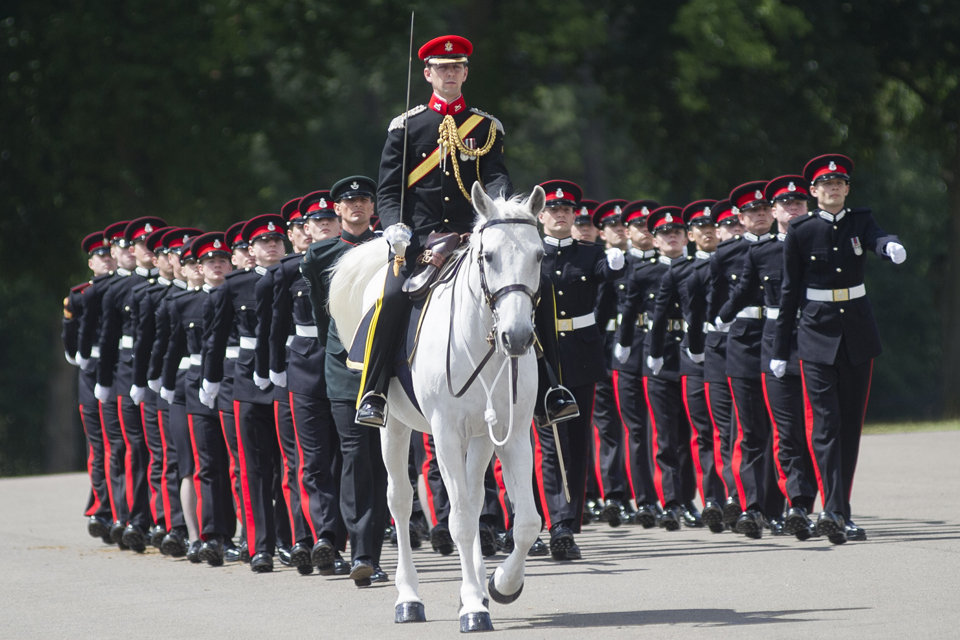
x: 399, y: 260
x: 563, y: 467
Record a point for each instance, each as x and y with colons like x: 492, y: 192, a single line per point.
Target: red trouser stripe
x: 538, y: 472
x: 866, y: 401
x: 657, y: 473
x: 245, y: 484
x: 425, y: 471
x: 808, y: 423
x: 781, y: 476
x: 196, y: 474
x: 737, y: 451
x: 304, y: 498
x: 106, y: 461
x: 596, y: 458
x: 626, y: 433
x: 233, y: 469
x: 146, y: 440
x: 127, y: 455
x: 717, y: 443
x: 501, y: 491
x: 694, y: 444
x: 285, y: 476
x: 96, y: 499
x: 164, y: 485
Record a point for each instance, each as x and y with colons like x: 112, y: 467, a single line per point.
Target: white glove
x: 778, y: 367
x: 137, y: 393
x: 398, y: 235
x: 154, y: 385
x: 102, y: 394
x: 279, y: 379
x: 721, y: 325
x: 167, y: 394
x: 615, y: 258
x: 206, y: 400
x: 696, y: 357
x: 85, y: 363
x: 621, y: 353
x: 896, y: 252
x: 655, y: 364
x: 211, y: 388
x: 72, y: 361
x: 263, y: 383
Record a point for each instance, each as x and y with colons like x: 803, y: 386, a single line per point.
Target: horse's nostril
x: 505, y: 339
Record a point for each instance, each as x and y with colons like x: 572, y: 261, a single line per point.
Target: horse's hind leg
x: 516, y: 459
x: 396, y: 445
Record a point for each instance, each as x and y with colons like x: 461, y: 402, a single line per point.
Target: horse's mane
x: 512, y: 207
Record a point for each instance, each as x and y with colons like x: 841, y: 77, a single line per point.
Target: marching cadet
x: 235, y: 308
x: 628, y: 373
x: 762, y: 273
x: 837, y: 336
x: 101, y: 264
x: 583, y: 228
x: 753, y: 465
x: 571, y: 273
x: 674, y: 290
x: 436, y: 196
x: 363, y: 484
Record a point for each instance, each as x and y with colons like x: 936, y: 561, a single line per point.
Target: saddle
x: 439, y: 248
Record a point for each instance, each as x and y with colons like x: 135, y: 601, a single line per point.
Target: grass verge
x: 908, y: 427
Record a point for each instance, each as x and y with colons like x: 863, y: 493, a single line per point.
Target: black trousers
x: 170, y: 478
x: 290, y: 471
x: 414, y: 466
x: 151, y: 433
x: 228, y: 425
x: 136, y: 464
x: 363, y: 484
x: 836, y: 400
x: 796, y: 475
x: 115, y: 454
x: 211, y: 478
x: 438, y: 502
x: 702, y: 440
x: 632, y: 402
x: 608, y: 450
x: 668, y: 420
x: 260, y: 469
x: 753, y: 457
x: 720, y: 404
x: 98, y: 503
x: 320, y: 465
x: 575, y: 445
x: 179, y: 433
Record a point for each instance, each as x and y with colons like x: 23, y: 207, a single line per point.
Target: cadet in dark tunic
x: 98, y: 511
x: 837, y: 337
x: 434, y: 193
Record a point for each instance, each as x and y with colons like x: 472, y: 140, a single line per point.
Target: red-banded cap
x: 665, y: 218
x: 748, y: 195
x: 787, y: 188
x: 585, y: 211
x: 290, y: 212
x: 722, y: 213
x: 561, y: 193
x: 446, y: 50
x: 318, y: 204
x: 698, y: 212
x: 140, y: 228
x: 152, y: 241
x: 828, y: 167
x: 174, y: 239
x: 264, y: 226
x: 608, y: 212
x: 114, y: 233
x: 212, y: 243
x: 637, y: 211
x: 94, y: 244
x: 233, y: 236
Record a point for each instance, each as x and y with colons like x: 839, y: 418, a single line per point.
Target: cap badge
x: 706, y: 211
x: 617, y: 210
x: 735, y: 210
x: 791, y: 187
x: 271, y: 226
x: 148, y: 227
x: 185, y: 238
x: 217, y: 244
x: 583, y: 211
x: 559, y: 193
x: 668, y: 217
x: 758, y: 194
x: 645, y: 211
x: 448, y: 46
x: 832, y: 166
x: 322, y: 204
x: 354, y: 185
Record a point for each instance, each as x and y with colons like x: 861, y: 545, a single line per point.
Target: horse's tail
x: 351, y: 274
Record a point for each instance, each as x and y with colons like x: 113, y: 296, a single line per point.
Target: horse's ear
x: 537, y: 200
x: 481, y: 201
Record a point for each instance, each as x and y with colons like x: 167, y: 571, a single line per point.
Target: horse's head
x: 509, y: 252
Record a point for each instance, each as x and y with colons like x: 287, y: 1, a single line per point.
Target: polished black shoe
x: 560, y: 405
x: 441, y: 540
x: 156, y: 535
x: 283, y: 555
x: 573, y: 553
x: 796, y: 521
x: 361, y: 571
x: 806, y: 533
x: 561, y: 539
x: 611, y: 512
x: 134, y: 538
x: 488, y: 540
x: 193, y: 551
x: 116, y: 532
x: 261, y: 563
x: 627, y: 513
x: 731, y: 512
x: 854, y: 533
x: 750, y: 524
x: 505, y: 542
x: 340, y: 566
x: 231, y: 552
x: 322, y: 556
x: 390, y: 533
x: 712, y: 516
x: 775, y: 525
x: 244, y: 552
x: 379, y: 575
x: 832, y: 525
x: 372, y: 411
x: 300, y: 555
x: 98, y: 527
x: 691, y: 517
x: 174, y: 544
x: 646, y: 515
x: 211, y: 552
x: 538, y: 548
x: 670, y: 518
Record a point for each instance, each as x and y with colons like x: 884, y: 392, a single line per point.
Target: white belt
x: 95, y: 351
x: 307, y: 331
x: 612, y: 324
x: 233, y: 352
x: 184, y: 362
x: 196, y: 359
x: 708, y: 326
x: 248, y: 343
x: 672, y: 325
x: 836, y: 295
x: 575, y: 323
x: 772, y: 313
x: 751, y: 312
x: 126, y: 342
x: 289, y: 340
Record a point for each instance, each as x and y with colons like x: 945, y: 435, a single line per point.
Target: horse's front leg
x: 396, y: 446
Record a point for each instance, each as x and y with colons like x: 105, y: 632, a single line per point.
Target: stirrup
x: 370, y: 418
x: 560, y: 393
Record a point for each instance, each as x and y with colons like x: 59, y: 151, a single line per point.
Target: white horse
x: 482, y: 317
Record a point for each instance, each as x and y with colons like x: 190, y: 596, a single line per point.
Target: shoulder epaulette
x: 487, y: 115
x: 401, y: 120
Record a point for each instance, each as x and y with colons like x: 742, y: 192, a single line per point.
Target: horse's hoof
x: 499, y: 597
x: 479, y: 621
x: 410, y: 612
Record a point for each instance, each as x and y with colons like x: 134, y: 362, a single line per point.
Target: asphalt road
x: 903, y: 582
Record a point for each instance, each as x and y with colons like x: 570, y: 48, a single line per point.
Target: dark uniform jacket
x: 672, y: 311
x: 161, y: 339
x: 822, y: 251
x: 119, y: 322
x: 186, y: 342
x: 72, y: 312
x: 744, y: 337
x: 146, y: 333
x: 88, y: 333
x: 637, y: 309
x: 264, y: 294
x: 435, y: 202
x: 293, y: 314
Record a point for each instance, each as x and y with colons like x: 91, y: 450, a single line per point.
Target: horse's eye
x: 539, y: 255
x: 488, y: 258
